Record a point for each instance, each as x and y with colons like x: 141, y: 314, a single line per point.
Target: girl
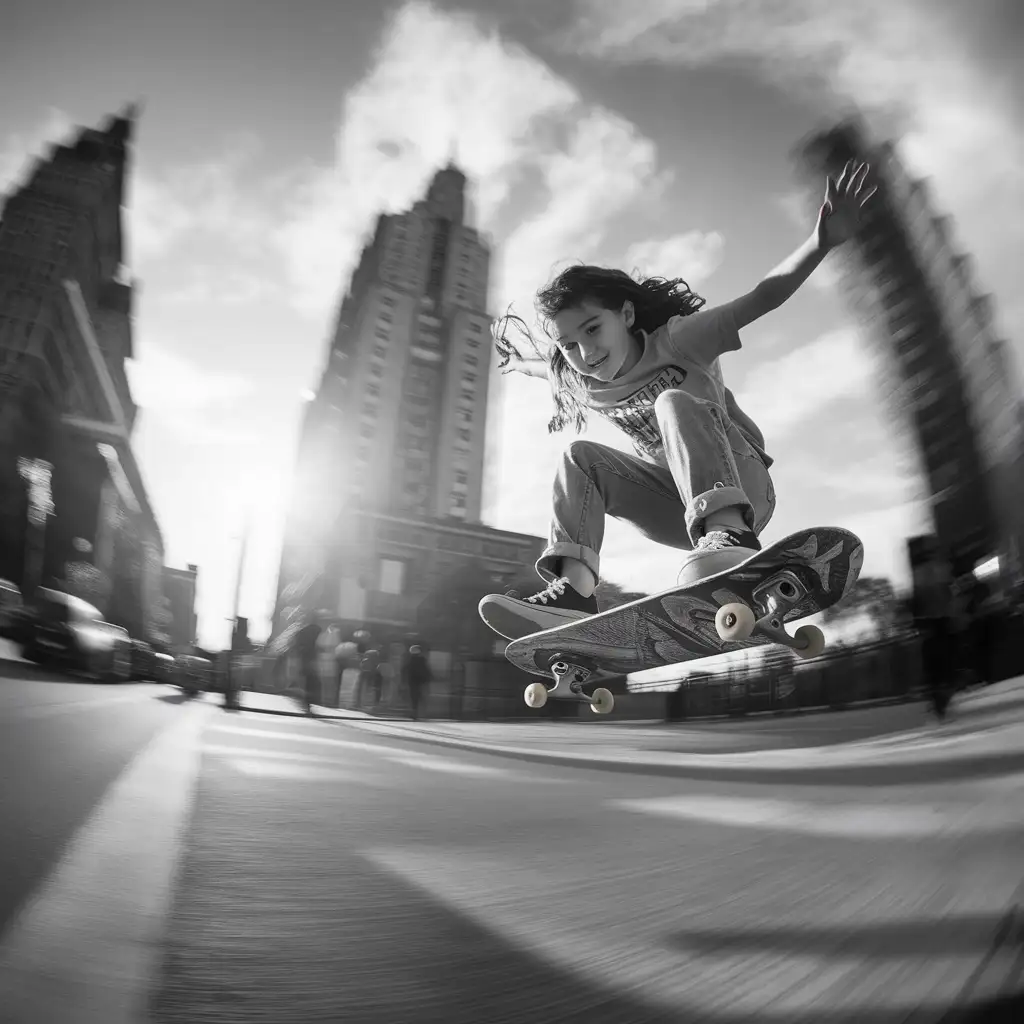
x: 642, y: 354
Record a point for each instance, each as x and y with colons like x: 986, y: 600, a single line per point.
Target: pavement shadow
x: 176, y: 698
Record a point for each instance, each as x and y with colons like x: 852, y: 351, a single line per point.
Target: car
x: 195, y: 674
x: 165, y: 668
x: 12, y: 610
x: 66, y: 631
x: 143, y: 663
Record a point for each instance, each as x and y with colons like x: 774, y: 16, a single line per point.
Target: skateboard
x: 745, y: 606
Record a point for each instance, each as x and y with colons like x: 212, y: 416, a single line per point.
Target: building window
x: 384, y: 317
x: 382, y: 334
x: 391, y: 576
x: 471, y: 360
x: 386, y: 300
x: 464, y: 435
x: 379, y: 351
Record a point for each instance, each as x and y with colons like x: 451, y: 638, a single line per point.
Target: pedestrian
x: 643, y: 355
x: 417, y: 676
x: 306, y: 648
x: 370, y: 678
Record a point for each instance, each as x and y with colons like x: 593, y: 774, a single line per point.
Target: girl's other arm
x: 530, y: 367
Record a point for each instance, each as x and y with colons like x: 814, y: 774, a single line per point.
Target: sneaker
x: 716, y: 552
x: 512, y: 616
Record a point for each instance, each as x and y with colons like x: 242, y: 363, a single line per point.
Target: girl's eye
x: 592, y: 328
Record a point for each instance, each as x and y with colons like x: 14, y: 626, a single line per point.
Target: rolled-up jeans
x: 711, y: 466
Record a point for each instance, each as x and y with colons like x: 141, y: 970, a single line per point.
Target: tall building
x: 66, y: 410
x: 390, y: 468
x: 947, y: 375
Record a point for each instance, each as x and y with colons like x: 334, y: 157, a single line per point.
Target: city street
x: 170, y: 861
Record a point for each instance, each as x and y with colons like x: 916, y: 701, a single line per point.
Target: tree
x: 611, y: 595
x: 871, y: 594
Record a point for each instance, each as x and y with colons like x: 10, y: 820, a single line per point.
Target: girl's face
x: 598, y: 342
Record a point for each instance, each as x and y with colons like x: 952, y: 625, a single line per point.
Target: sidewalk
x: 983, y: 736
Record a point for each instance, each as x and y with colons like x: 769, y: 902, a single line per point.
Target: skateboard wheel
x: 602, y: 701
x: 536, y: 695
x: 734, y: 622
x: 809, y: 641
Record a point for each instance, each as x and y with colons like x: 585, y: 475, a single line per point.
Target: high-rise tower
x: 66, y: 410
x: 949, y: 377
x: 395, y: 432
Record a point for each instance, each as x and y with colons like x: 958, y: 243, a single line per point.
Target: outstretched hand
x: 842, y: 213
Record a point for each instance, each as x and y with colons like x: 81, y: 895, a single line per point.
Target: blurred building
x: 946, y: 374
x: 180, y: 593
x: 385, y: 515
x: 73, y: 506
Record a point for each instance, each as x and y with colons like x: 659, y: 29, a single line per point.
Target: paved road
x: 179, y: 863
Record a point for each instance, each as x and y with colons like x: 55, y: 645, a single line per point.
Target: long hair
x: 655, y: 301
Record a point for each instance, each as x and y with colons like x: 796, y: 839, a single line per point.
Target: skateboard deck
x: 797, y: 576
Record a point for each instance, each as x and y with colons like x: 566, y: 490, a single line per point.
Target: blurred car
x: 12, y: 610
x: 68, y: 632
x: 165, y: 668
x: 143, y: 660
x: 195, y: 674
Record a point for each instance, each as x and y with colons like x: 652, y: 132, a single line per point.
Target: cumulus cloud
x: 446, y: 84
x: 169, y: 206
x: 907, y: 63
x: 189, y: 398
x: 787, y: 392
x: 693, y: 255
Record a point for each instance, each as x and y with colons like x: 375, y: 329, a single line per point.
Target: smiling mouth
x: 594, y: 366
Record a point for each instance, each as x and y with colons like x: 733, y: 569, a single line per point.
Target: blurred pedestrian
x: 417, y: 676
x: 306, y: 649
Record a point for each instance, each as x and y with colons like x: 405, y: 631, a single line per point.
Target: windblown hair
x: 655, y: 301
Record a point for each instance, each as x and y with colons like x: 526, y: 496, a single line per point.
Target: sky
x: 654, y: 136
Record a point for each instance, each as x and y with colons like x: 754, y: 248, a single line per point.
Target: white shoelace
x: 716, y: 540
x: 554, y: 590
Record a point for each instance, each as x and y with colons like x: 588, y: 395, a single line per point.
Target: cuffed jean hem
x: 706, y: 504
x: 547, y: 563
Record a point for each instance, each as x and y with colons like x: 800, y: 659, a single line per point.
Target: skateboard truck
x: 569, y: 679
x: 736, y: 621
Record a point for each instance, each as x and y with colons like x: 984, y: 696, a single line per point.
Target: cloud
x: 786, y: 392
x: 444, y: 82
x: 20, y: 149
x: 693, y: 255
x: 908, y: 63
x: 218, y: 196
x: 190, y: 399
x: 228, y: 288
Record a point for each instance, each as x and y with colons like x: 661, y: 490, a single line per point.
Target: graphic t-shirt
x: 681, y: 354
